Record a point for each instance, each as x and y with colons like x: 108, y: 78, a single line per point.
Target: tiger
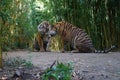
x: 42, y: 40
x: 78, y: 39
x: 44, y: 27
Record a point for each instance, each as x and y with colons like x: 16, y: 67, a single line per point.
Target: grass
x: 17, y: 62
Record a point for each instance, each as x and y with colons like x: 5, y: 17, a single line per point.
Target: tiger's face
x: 44, y: 27
x: 52, y: 31
x: 54, y: 28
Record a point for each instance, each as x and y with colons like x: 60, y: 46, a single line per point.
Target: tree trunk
x: 1, y: 57
x: 1, y: 46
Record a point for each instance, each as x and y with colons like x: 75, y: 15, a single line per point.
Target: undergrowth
x: 58, y: 72
x: 17, y: 62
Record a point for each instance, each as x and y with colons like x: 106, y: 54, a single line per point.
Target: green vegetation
x: 19, y: 19
x: 59, y: 72
x: 18, y: 62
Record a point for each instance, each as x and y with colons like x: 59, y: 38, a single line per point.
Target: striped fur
x: 42, y: 40
x: 43, y: 27
x: 76, y: 37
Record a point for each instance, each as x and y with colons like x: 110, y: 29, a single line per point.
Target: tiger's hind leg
x: 81, y: 48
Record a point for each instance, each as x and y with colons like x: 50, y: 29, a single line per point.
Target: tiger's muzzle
x: 52, y: 33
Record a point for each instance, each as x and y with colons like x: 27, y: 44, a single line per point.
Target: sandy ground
x: 91, y: 66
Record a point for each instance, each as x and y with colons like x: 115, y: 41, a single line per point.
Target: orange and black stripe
x: 77, y: 37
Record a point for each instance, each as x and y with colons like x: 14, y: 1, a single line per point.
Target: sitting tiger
x: 42, y: 40
x: 76, y: 37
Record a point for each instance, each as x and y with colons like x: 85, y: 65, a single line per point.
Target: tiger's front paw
x: 48, y: 50
x: 75, y: 51
x: 62, y: 51
x: 42, y: 50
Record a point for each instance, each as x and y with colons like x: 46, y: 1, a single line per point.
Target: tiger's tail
x: 107, y: 50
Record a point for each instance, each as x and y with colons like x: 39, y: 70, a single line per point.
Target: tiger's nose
x: 53, y: 33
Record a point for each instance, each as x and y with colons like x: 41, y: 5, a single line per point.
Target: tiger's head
x: 44, y: 27
x: 55, y: 28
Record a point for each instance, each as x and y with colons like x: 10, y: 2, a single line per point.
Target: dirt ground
x: 91, y: 66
